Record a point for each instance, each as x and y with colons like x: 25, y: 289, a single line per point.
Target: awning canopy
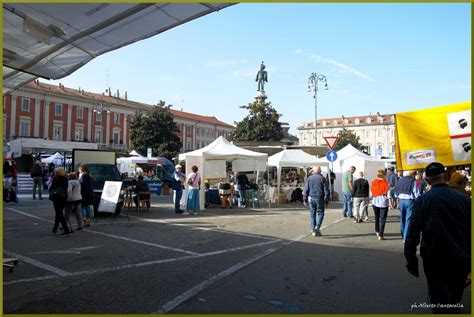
x: 221, y: 149
x: 294, y: 158
x: 52, y: 40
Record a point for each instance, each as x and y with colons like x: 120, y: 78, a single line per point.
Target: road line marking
x: 142, y: 242
x: 202, y: 286
x: 170, y: 222
x: 115, y: 236
x: 28, y: 215
x: 239, y: 248
x: 33, y: 279
x: 39, y: 264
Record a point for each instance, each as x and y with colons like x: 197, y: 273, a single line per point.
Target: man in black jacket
x: 360, y: 194
x: 442, y: 216
x: 316, y: 193
x: 37, y: 175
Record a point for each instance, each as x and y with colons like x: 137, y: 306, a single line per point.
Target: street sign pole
x: 331, y: 156
x: 330, y: 183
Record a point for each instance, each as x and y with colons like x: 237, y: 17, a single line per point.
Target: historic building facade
x: 376, y: 132
x: 49, y: 112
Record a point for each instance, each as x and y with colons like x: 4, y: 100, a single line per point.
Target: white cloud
x: 341, y: 66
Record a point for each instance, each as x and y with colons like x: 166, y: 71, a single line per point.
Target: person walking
x: 347, y: 183
x: 316, y: 194
x: 57, y: 194
x: 380, y: 202
x: 74, y: 200
x: 242, y: 184
x: 178, y: 188
x: 37, y: 175
x: 360, y: 192
x: 406, y: 192
x: 391, y: 179
x: 87, y: 193
x: 442, y: 217
x: 194, y: 182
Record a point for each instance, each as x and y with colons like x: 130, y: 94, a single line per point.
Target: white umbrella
x: 134, y: 153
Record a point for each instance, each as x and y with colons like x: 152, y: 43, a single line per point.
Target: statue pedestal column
x: 260, y: 97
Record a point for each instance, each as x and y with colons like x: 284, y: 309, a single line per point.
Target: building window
x: 116, y: 117
x: 24, y: 128
x: 334, y: 122
x: 25, y: 104
x: 79, y: 134
x: 392, y: 132
x: 392, y: 119
x: 380, y: 119
x: 98, y: 134
x: 367, y: 147
x: 98, y: 116
x: 79, y: 112
x: 393, y: 148
x: 357, y: 121
x: 325, y: 123
x: 346, y: 122
x: 367, y: 133
x: 58, y: 110
x: 58, y: 133
x: 379, y: 132
x: 368, y: 120
x: 116, y: 137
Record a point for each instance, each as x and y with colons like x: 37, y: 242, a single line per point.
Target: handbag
x: 57, y: 193
x: 191, y: 181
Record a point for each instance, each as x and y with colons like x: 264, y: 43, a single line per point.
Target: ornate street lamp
x: 313, y: 86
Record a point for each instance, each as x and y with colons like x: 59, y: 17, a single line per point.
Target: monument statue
x: 261, y: 78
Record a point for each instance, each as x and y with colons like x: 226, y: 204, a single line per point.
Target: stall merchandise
x: 211, y: 161
x: 289, y: 158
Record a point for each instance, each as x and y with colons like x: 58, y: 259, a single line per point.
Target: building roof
x: 112, y: 100
x: 350, y: 121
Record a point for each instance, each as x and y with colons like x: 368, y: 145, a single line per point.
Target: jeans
x: 347, y: 208
x: 243, y: 199
x: 177, y: 199
x: 406, y: 208
x: 87, y: 211
x: 380, y: 218
x: 316, y: 205
x: 38, y: 182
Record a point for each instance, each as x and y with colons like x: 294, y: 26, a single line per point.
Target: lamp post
x: 313, y: 86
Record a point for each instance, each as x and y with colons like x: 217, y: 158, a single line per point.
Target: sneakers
x: 313, y: 233
x: 318, y: 233
x: 381, y: 238
x: 366, y: 219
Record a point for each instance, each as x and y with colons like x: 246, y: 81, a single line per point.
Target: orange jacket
x: 379, y: 187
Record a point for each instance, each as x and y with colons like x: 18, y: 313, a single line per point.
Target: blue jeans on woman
x: 316, y: 206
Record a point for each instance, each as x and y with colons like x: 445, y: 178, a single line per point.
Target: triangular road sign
x: 331, y: 141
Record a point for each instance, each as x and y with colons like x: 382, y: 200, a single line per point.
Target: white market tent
x: 211, y: 160
x: 134, y: 153
x: 350, y: 156
x: 55, y: 158
x: 293, y: 158
x: 127, y: 164
x: 52, y: 40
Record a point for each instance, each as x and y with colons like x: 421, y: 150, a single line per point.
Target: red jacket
x: 379, y: 187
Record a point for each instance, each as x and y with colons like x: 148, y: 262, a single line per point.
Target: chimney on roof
x: 343, y: 117
x: 378, y: 113
x: 82, y: 91
x: 110, y: 92
x: 126, y: 95
x: 118, y: 94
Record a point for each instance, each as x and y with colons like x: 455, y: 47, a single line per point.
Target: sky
x: 383, y: 58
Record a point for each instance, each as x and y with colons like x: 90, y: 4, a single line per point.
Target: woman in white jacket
x: 74, y: 199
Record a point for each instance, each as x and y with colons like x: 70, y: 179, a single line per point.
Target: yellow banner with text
x: 441, y: 134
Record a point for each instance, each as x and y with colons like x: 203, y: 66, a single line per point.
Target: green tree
x: 261, y: 124
x: 156, y: 129
x: 346, y: 137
